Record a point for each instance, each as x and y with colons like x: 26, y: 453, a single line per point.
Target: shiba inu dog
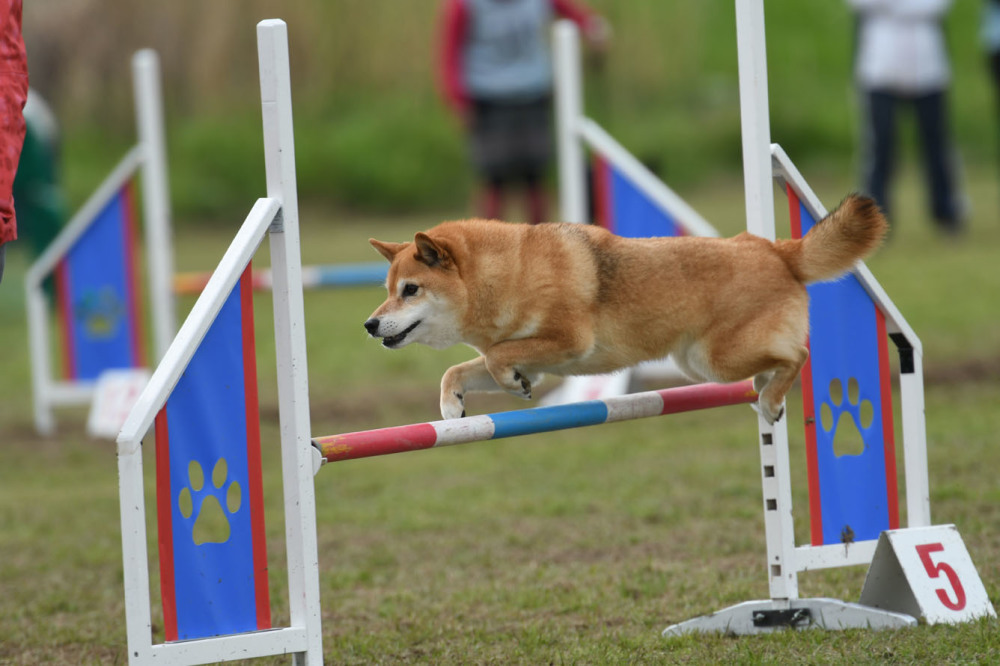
x: 571, y: 299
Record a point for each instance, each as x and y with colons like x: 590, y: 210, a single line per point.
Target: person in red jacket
x: 496, y: 74
x: 13, y: 94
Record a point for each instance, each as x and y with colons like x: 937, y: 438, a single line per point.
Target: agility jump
x: 194, y: 636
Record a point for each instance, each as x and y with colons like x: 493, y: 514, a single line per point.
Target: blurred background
x: 369, y: 120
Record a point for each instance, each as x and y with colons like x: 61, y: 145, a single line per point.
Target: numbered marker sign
x: 926, y: 572
x: 114, y: 394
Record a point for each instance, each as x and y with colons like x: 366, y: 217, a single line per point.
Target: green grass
x: 572, y: 547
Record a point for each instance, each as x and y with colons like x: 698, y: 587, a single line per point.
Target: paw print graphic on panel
x: 209, y: 502
x: 845, y: 416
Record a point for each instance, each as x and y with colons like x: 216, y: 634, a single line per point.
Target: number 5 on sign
x: 926, y: 572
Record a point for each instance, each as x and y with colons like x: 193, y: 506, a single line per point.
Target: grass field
x: 572, y: 547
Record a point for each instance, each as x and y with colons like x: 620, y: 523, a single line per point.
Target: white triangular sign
x: 926, y: 572
x: 115, y: 392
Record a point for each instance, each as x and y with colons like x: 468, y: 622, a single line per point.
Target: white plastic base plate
x: 761, y: 617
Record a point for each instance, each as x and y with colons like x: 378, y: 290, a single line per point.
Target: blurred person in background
x: 901, y: 60
x: 991, y: 42
x: 13, y: 94
x: 496, y: 75
x: 41, y: 205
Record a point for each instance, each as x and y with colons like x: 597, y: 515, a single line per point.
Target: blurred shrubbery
x: 370, y: 129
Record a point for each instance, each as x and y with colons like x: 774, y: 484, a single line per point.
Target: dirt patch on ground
x: 963, y: 372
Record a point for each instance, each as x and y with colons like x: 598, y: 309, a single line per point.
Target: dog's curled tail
x: 831, y: 248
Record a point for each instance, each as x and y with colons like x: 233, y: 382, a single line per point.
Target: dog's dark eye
x: 410, y: 289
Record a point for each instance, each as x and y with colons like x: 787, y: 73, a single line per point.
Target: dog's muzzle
x: 392, y: 340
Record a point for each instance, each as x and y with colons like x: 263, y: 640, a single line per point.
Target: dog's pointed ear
x: 432, y: 252
x: 387, y: 250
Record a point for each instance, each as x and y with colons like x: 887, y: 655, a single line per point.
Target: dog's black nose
x: 371, y: 326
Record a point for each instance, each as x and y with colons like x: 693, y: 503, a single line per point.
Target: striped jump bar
x: 313, y: 277
x: 398, y: 439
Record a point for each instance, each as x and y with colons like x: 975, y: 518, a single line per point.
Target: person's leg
x: 3, y: 254
x: 535, y: 194
x: 536, y: 154
x: 491, y: 206
x: 878, y: 145
x: 994, y: 65
x: 939, y: 160
x: 488, y: 152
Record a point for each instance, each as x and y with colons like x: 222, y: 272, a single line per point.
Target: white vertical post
x: 568, y: 112
x: 911, y: 390
x: 755, y: 124
x: 135, y: 558
x: 38, y: 344
x: 776, y: 487
x: 290, y: 339
x: 155, y: 196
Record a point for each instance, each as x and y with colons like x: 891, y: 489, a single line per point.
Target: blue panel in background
x: 633, y: 214
x: 843, y: 346
x: 100, y: 294
x: 350, y: 275
x: 206, y: 416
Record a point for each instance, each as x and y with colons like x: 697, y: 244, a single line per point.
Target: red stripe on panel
x: 65, y: 308
x: 808, y: 405
x: 254, y: 471
x: 164, y: 524
x: 602, y: 193
x: 133, y: 292
x: 888, y: 431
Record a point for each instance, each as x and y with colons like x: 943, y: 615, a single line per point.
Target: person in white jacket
x: 901, y: 60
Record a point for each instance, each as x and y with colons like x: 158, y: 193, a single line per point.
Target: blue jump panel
x: 98, y: 297
x: 211, y: 526
x: 625, y: 210
x: 852, y: 496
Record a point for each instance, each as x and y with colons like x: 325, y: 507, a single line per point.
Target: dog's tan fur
x: 572, y: 299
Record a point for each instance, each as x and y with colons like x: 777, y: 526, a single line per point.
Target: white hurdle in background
x: 575, y: 132
x: 148, y: 156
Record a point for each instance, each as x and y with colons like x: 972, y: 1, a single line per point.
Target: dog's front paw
x: 521, y: 386
x: 452, y: 405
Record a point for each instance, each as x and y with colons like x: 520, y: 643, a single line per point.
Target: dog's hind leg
x: 760, y: 380
x: 770, y: 402
x: 773, y: 363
